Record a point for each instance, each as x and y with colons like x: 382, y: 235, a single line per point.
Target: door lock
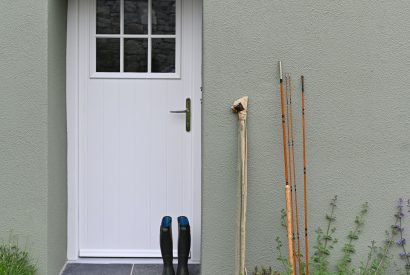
x: 187, y: 113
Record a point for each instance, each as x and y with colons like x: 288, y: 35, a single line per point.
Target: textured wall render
x: 23, y: 124
x: 33, y: 131
x: 355, y: 58
x: 57, y: 137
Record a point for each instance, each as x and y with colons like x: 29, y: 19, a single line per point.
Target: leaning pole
x: 240, y: 107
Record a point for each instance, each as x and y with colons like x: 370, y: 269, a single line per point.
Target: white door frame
x: 73, y: 150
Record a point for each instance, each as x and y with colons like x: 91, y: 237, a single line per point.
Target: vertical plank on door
x: 127, y: 172
x: 134, y: 165
x: 111, y: 170
x: 157, y: 161
x: 93, y: 216
x: 175, y: 131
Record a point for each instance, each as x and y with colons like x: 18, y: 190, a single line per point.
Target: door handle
x: 187, y: 113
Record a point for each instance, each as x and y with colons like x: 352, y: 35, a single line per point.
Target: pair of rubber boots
x: 184, y: 245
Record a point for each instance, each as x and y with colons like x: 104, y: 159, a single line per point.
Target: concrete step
x: 121, y: 269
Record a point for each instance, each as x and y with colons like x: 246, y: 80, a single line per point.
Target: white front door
x: 138, y: 61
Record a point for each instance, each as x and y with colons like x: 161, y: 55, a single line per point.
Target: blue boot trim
x: 182, y: 220
x: 166, y: 221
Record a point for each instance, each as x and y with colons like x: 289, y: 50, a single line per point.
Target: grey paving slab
x: 97, y: 269
x: 151, y: 269
x: 154, y: 269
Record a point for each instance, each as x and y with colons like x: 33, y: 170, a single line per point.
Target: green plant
x: 282, y: 259
x: 264, y: 271
x: 325, y: 242
x: 14, y: 260
x: 401, y: 242
x: 378, y: 258
x: 344, y: 265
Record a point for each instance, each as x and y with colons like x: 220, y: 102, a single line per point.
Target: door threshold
x: 135, y: 261
x: 120, y: 269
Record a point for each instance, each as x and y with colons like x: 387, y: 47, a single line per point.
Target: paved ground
x: 120, y: 269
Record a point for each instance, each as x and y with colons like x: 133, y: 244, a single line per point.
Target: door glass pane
x: 136, y: 55
x: 136, y: 16
x: 163, y: 16
x: 163, y: 55
x: 108, y: 16
x: 108, y: 55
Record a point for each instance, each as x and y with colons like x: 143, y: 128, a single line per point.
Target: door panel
x: 136, y: 158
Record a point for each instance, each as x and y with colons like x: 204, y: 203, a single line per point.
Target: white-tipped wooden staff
x: 240, y: 107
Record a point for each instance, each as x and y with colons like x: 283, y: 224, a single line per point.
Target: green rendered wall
x: 32, y: 123
x: 23, y: 124
x: 57, y: 137
x: 355, y: 58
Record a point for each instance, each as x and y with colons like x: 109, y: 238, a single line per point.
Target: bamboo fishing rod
x: 292, y: 194
x: 294, y: 173
x: 304, y: 177
x: 287, y: 187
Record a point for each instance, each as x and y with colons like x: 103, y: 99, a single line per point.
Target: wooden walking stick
x: 304, y: 178
x: 240, y: 106
x: 287, y: 187
x: 292, y: 194
x: 294, y: 173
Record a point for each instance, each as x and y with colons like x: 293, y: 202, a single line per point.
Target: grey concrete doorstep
x: 121, y: 269
x: 155, y: 269
x: 98, y: 269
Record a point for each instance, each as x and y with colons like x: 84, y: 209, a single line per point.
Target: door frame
x: 73, y: 87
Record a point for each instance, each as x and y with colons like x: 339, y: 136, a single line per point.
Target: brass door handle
x: 187, y: 113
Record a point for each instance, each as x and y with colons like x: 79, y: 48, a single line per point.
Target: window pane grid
x: 121, y: 36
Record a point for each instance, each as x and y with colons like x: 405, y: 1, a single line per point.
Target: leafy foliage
x: 325, y: 242
x: 399, y: 229
x: 264, y: 271
x: 344, y: 265
x: 15, y: 261
x: 378, y: 258
x: 282, y: 259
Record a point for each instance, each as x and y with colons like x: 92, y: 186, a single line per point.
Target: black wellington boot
x: 184, y: 245
x: 165, y: 239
